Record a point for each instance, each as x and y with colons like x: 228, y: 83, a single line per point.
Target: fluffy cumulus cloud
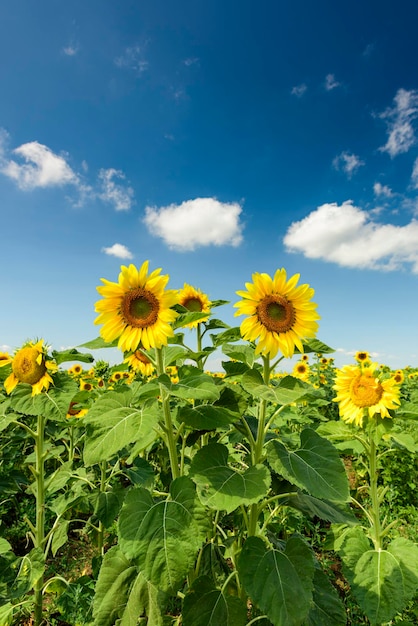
x: 195, y: 223
x: 40, y: 167
x: 347, y: 163
x: 382, y: 190
x: 348, y: 236
x: 119, y: 251
x: 400, y: 118
x: 120, y: 195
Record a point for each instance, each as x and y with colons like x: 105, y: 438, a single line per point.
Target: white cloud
x: 191, y: 61
x: 414, y: 175
x: 348, y: 236
x: 118, y: 195
x: 299, y: 90
x: 330, y: 82
x: 348, y: 163
x: 119, y: 251
x: 195, y: 223
x: 382, y: 190
x: 70, y: 50
x: 133, y: 59
x: 42, y: 167
x: 401, y: 134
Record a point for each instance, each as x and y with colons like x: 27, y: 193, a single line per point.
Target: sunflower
x: 398, y: 377
x: 74, y: 410
x: 136, y: 309
x: 301, y: 370
x: 362, y: 391
x: 75, y: 370
x: 279, y: 314
x: 139, y: 362
x: 5, y: 358
x: 30, y: 365
x: 85, y: 385
x: 194, y: 301
x: 362, y: 357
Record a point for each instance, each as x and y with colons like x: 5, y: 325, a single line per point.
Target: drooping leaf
x: 112, y: 423
x: 326, y: 510
x: 315, y: 467
x: 52, y: 404
x: 231, y: 334
x: 241, y: 352
x: 205, y: 605
x: 327, y: 608
x: 223, y: 488
x: 98, y: 344
x: 116, y: 577
x: 280, y: 583
x: 72, y: 354
x: 60, y: 536
x: 145, y: 600
x: 314, y: 345
x: 193, y: 385
x: 107, y: 507
x: 206, y: 417
x: 288, y: 390
x: 163, y: 536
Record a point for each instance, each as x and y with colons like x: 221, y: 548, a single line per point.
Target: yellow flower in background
x: 279, y: 313
x: 194, y: 301
x: 86, y: 385
x: 301, y: 370
x: 136, y: 310
x: 361, y: 391
x: 75, y: 370
x: 73, y: 411
x: 398, y: 377
x: 5, y: 358
x: 139, y: 362
x: 362, y: 357
x: 30, y: 365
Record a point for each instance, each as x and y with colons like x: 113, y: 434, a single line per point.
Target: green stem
x: 168, y: 430
x: 374, y: 496
x: 100, y: 535
x: 259, y: 444
x: 199, y: 362
x: 40, y: 512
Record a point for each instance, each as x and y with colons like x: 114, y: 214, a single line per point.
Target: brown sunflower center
x: 365, y: 391
x: 193, y: 304
x: 141, y: 357
x: 276, y: 313
x: 140, y: 308
x: 26, y: 368
x: 362, y: 356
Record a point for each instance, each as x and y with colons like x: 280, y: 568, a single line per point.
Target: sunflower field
x: 156, y: 492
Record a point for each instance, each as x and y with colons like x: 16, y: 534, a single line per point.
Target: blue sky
x: 215, y: 142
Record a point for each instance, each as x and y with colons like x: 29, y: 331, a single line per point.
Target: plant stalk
x: 169, y: 435
x: 40, y: 513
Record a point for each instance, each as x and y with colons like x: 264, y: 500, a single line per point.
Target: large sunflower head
x: 30, y: 365
x: 136, y: 309
x: 279, y: 313
x: 362, y: 391
x: 194, y: 301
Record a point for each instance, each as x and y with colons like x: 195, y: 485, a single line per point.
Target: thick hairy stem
x: 168, y: 430
x: 40, y: 512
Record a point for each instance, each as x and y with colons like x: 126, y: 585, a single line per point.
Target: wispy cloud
x: 119, y: 251
x: 347, y: 163
x: 299, y: 90
x: 348, y: 236
x: 71, y: 50
x: 41, y: 167
x: 382, y: 190
x: 115, y: 193
x: 191, y: 61
x: 414, y: 175
x: 133, y: 59
x: 194, y: 223
x: 400, y: 117
x: 330, y: 82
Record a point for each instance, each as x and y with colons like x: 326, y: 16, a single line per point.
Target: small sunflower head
x: 362, y: 357
x: 195, y: 301
x: 30, y: 365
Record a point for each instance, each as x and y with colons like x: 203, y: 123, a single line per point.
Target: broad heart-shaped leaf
x: 316, y: 467
x: 205, y: 605
x: 220, y: 486
x: 206, y: 417
x: 52, y: 404
x: 112, y: 589
x: 382, y: 580
x: 326, y: 510
x: 194, y: 385
x: 327, y: 608
x: 240, y: 352
x: 112, y: 423
x: 279, y: 583
x: 71, y: 354
x: 163, y: 536
x: 288, y: 390
x: 145, y: 599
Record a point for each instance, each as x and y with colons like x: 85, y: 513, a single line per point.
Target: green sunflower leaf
x: 223, y: 488
x: 71, y: 355
x: 315, y: 467
x: 327, y: 608
x: 98, y: 344
x: 193, y: 384
x: 116, y: 577
x: 163, y: 536
x: 205, y: 605
x: 206, y: 417
x: 279, y: 582
x: 112, y: 423
x: 52, y: 404
x: 314, y: 345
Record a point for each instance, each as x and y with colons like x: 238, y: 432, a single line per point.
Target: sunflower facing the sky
x: 136, y: 310
x: 361, y: 391
x: 30, y: 365
x: 279, y: 313
x: 194, y: 301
